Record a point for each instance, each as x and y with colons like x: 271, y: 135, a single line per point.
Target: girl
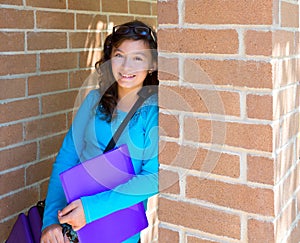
x: 128, y: 63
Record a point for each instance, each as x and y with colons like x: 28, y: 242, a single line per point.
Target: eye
x: 138, y: 58
x: 118, y: 54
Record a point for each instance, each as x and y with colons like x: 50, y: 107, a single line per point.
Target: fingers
x: 52, y: 234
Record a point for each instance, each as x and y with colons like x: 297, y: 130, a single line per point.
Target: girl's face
x: 130, y: 63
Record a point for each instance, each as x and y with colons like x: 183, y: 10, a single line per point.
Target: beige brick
x: 169, y: 125
x: 10, y: 18
x: 79, y: 77
x: 248, y: 74
x: 91, y: 21
x: 46, y: 4
x: 11, y: 181
x: 45, y: 126
x: 12, y: 2
x: 119, y: 6
x: 167, y: 12
x: 166, y: 235
x: 168, y: 69
x: 11, y: 134
x: 200, y: 218
x: 243, y: 12
x: 14, y: 64
x: 198, y: 41
x: 138, y: 7
x: 17, y: 202
x: 88, y: 59
x: 88, y: 5
x: 240, y: 197
x: 265, y: 104
x: 260, y: 231
x: 258, y: 43
x: 14, y: 88
x: 169, y: 182
x: 260, y: 169
x: 289, y: 15
x: 54, y: 20
x: 17, y: 110
x: 18, y: 156
x: 14, y: 41
x: 120, y: 19
x: 47, y: 83
x: 58, y: 61
x: 248, y: 136
x: 46, y: 40
x: 283, y: 43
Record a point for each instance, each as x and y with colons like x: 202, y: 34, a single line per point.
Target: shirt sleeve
x: 139, y: 188
x: 68, y: 156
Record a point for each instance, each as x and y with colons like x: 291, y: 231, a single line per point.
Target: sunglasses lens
x: 121, y: 30
x: 141, y: 30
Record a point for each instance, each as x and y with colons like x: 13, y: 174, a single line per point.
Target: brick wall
x: 229, y: 121
x: 47, y: 50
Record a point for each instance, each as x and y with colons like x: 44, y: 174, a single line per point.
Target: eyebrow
x: 139, y: 53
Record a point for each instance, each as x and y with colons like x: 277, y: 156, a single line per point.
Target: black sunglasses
x: 139, y: 30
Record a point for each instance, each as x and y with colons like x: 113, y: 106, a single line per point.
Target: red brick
x: 166, y: 235
x: 17, y: 110
x: 50, y: 146
x: 290, y: 15
x: 260, y: 169
x: 14, y: 41
x: 243, y: 12
x: 89, y: 58
x: 46, y: 40
x: 58, y: 61
x: 38, y: 171
x: 265, y: 104
x: 17, y: 202
x: 260, y: 231
x: 14, y: 64
x: 248, y: 136
x: 138, y: 7
x: 46, y: 4
x: 54, y: 20
x: 85, y: 40
x: 11, y: 181
x: 192, y: 239
x: 198, y: 41
x: 248, y: 74
x: 58, y: 102
x: 167, y: 12
x: 14, y: 88
x: 11, y: 2
x: 5, y: 228
x: 91, y: 22
x: 258, y: 43
x: 240, y: 197
x: 18, y: 156
x: 11, y: 134
x: 47, y: 83
x: 16, y: 19
x: 119, y: 6
x: 80, y: 78
x: 169, y: 125
x: 200, y: 218
x: 89, y: 5
x: 169, y: 182
x: 154, y: 8
x: 45, y: 126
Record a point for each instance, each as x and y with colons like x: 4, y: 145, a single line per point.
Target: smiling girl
x: 128, y: 64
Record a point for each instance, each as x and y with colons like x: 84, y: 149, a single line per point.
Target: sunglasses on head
x: 139, y: 30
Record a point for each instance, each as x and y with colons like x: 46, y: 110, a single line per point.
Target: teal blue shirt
x: 87, y: 138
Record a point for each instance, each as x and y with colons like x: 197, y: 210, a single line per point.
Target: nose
x: 127, y: 63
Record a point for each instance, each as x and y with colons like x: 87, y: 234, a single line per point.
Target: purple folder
x: 100, y: 174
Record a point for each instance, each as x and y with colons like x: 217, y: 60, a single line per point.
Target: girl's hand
x: 73, y: 214
x: 53, y: 234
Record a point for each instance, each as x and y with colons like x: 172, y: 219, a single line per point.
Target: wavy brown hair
x: 107, y: 82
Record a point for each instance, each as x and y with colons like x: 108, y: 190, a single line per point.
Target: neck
x: 127, y: 98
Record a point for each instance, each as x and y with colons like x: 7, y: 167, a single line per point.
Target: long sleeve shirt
x: 87, y: 138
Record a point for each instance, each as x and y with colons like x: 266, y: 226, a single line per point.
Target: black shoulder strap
x: 143, y: 94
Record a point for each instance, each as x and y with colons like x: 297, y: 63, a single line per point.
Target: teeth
x: 127, y: 76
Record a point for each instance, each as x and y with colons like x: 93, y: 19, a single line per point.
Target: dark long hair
x: 107, y: 82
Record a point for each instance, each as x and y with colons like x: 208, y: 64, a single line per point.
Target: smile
x: 127, y: 75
